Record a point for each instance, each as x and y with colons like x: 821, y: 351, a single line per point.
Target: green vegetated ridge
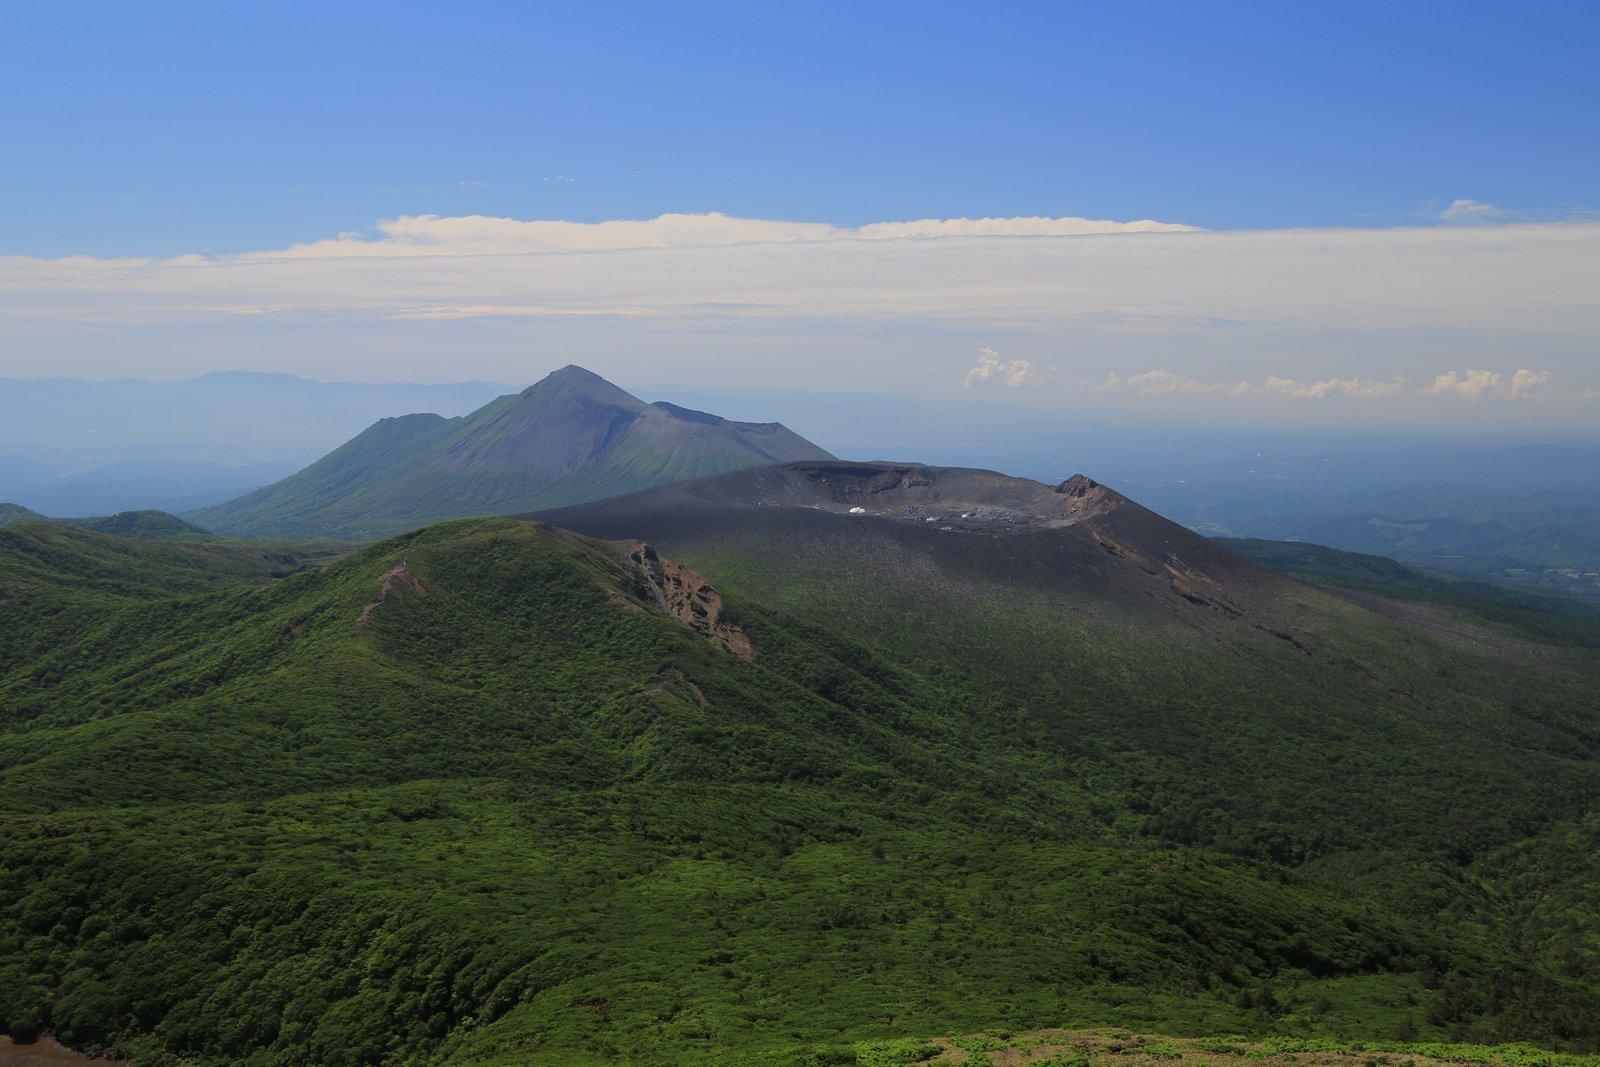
x: 58, y: 581
x: 571, y: 437
x: 468, y: 795
x: 12, y: 514
x: 140, y: 525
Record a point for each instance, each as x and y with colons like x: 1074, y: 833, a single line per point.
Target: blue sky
x: 1371, y: 214
x: 169, y: 128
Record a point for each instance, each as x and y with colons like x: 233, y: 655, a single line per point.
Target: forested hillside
x: 491, y: 792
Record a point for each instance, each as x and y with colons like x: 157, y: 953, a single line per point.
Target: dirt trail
x: 396, y: 580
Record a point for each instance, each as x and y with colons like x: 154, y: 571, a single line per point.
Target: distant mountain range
x: 97, y: 448
x: 571, y: 437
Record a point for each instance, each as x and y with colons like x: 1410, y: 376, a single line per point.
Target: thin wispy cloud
x: 1360, y: 388
x: 1165, y: 383
x: 1162, y: 382
x: 510, y: 311
x: 1467, y: 211
x: 479, y: 235
x: 1521, y: 384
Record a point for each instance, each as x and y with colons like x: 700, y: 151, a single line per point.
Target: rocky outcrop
x: 1085, y: 497
x: 684, y: 595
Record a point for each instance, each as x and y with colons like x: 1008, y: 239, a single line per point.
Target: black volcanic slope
x: 1076, y: 537
x: 572, y: 436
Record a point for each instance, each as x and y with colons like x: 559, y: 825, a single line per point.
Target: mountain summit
x: 569, y: 438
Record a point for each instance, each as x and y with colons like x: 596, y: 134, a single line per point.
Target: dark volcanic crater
x: 885, y: 522
x: 949, y: 498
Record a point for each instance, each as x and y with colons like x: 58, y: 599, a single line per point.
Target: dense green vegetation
x: 568, y: 438
x: 57, y: 582
x: 521, y: 817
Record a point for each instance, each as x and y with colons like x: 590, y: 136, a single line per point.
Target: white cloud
x: 487, y: 235
x: 1477, y: 384
x: 1361, y: 306
x: 1493, y: 283
x: 990, y: 367
x: 480, y: 235
x: 1528, y: 383
x: 1471, y: 383
x: 1474, y: 211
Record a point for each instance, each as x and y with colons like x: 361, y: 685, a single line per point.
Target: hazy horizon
x: 74, y: 448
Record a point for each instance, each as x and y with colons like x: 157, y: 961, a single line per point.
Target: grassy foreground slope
x: 469, y: 796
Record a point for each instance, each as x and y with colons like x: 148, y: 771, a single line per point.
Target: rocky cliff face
x: 684, y: 595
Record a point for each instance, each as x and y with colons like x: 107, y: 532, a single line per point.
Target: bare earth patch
x: 686, y: 596
x: 45, y: 1052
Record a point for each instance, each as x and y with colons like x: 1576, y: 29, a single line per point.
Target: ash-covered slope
x: 571, y: 437
x: 1133, y: 635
